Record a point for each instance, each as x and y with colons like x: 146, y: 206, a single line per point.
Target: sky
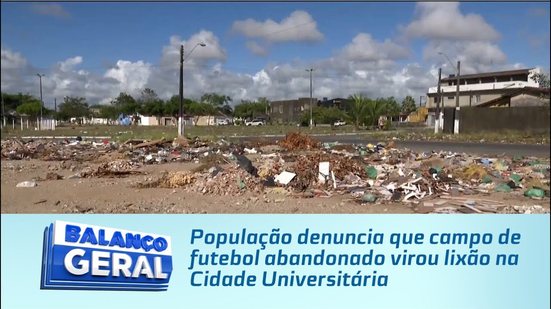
x: 97, y: 50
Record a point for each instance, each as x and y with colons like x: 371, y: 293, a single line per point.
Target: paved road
x: 482, y: 149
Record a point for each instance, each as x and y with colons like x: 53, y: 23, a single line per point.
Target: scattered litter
x: 27, y: 184
x: 534, y: 193
x: 285, y: 177
x: 368, y: 173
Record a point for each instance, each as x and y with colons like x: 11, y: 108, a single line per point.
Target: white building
x: 475, y: 89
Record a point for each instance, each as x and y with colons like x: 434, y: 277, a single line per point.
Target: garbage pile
x: 298, y: 141
x: 430, y: 182
x: 119, y: 168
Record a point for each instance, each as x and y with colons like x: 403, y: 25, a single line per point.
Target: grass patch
x: 123, y: 133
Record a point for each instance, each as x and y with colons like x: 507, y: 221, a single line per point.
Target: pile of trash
x: 298, y: 141
x: 56, y: 150
x: 119, y: 168
x: 170, y: 180
x: 368, y: 173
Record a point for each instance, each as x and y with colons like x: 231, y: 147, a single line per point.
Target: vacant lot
x: 219, y: 177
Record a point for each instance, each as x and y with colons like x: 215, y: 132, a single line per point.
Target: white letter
x: 159, y: 269
x: 97, y: 263
x: 124, y: 266
x: 142, y: 268
x: 68, y: 261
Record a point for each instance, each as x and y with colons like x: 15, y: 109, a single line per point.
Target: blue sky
x: 97, y: 50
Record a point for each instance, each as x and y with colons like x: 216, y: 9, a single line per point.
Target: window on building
x: 477, y: 99
x: 451, y: 98
x: 281, y: 109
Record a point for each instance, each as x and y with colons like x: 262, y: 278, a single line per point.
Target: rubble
x: 298, y: 141
x: 429, y: 182
x: 170, y: 180
x: 119, y: 168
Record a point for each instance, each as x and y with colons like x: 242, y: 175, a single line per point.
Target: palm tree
x: 358, y: 108
x: 374, y: 109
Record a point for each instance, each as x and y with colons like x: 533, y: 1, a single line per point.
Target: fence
x: 25, y: 123
x: 528, y: 118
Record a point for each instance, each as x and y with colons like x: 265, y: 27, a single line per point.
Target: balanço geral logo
x: 86, y: 257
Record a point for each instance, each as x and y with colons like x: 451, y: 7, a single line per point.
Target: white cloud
x: 444, y: 21
x: 50, y: 9
x: 475, y: 56
x: 364, y: 48
x: 132, y: 76
x: 12, y: 60
x: 70, y: 63
x: 297, y: 27
x: 212, y: 51
x: 256, y: 48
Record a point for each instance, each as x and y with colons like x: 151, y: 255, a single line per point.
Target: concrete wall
x: 290, y: 111
x: 529, y: 100
x: 464, y: 100
x: 528, y: 118
x: 149, y: 121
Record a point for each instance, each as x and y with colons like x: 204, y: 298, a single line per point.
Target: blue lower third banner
x: 275, y: 261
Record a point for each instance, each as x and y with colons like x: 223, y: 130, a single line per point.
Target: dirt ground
x: 119, y: 195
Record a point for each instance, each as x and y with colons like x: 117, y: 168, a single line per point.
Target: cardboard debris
x: 285, y: 177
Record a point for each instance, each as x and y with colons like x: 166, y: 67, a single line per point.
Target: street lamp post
x: 438, y: 99
x: 457, y: 73
x: 3, y: 112
x: 181, y: 114
x: 311, y: 113
x: 41, y: 102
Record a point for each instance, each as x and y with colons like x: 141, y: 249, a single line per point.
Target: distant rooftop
x: 488, y: 74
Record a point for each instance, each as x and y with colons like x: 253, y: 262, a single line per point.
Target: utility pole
x: 456, y: 114
x: 311, y: 113
x: 3, y: 112
x: 181, y: 115
x: 438, y: 99
x: 41, y: 102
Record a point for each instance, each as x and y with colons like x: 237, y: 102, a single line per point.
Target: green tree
x: 12, y: 101
x: 542, y: 79
x: 357, y: 109
x: 150, y: 104
x: 323, y: 115
x: 215, y: 99
x: 247, y: 109
x: 73, y: 107
x: 109, y: 112
x: 392, y: 108
x: 31, y: 109
x: 126, y: 104
x: 408, y: 105
x: 172, y: 106
x: 373, y: 110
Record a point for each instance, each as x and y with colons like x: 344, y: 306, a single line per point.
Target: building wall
x: 464, y: 99
x: 149, y: 121
x: 290, y: 111
x: 529, y: 100
x: 205, y: 120
x: 502, y: 119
